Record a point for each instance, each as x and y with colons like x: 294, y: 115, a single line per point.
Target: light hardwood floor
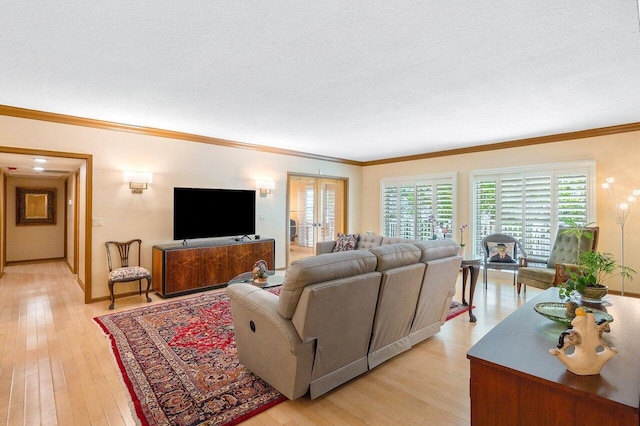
x: 56, y: 366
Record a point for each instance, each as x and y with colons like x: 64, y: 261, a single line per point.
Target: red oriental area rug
x: 179, y: 363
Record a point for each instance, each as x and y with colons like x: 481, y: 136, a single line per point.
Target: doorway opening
x: 316, y: 212
x: 81, y: 198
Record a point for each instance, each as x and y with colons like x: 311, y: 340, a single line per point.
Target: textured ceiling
x: 359, y: 80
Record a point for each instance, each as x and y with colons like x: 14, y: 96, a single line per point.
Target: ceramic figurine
x: 260, y: 272
x: 571, y: 309
x: 585, y: 335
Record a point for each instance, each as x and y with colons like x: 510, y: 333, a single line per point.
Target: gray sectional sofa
x: 341, y: 314
x: 363, y: 242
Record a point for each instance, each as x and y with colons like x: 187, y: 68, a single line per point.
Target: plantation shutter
x: 530, y: 205
x: 390, y: 211
x: 444, y: 207
x: 572, y: 197
x: 513, y: 192
x: 414, y: 208
x: 407, y: 204
x: 538, y: 220
x: 424, y: 209
x: 485, y: 201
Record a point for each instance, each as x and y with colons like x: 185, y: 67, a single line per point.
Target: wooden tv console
x: 180, y: 269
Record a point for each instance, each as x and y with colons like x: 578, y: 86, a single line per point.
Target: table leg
x: 475, y: 271
x: 465, y: 273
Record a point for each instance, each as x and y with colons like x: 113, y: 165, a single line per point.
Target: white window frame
x: 549, y: 169
x: 451, y: 178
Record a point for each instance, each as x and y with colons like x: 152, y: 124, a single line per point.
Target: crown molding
x: 149, y: 131
x: 560, y: 137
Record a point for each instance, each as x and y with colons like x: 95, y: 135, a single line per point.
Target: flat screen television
x: 210, y: 212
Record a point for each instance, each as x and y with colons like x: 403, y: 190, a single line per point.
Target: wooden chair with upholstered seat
x: 552, y: 271
x: 120, y: 269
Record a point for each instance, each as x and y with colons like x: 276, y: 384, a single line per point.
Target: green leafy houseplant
x: 592, y: 269
x: 578, y: 230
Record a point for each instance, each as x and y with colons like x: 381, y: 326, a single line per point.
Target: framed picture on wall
x: 35, y: 206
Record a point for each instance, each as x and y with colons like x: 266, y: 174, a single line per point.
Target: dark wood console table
x: 515, y: 381
x: 180, y: 269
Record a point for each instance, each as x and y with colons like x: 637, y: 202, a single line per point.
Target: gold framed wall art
x: 35, y: 206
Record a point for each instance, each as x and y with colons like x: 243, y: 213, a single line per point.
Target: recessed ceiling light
x: 40, y: 160
x: 38, y: 169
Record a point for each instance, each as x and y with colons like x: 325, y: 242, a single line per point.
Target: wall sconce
x: 138, y: 181
x: 265, y: 187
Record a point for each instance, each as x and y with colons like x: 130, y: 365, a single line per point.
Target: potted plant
x: 588, y: 275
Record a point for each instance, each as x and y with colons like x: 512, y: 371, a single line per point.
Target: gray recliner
x: 315, y: 336
x: 564, y: 252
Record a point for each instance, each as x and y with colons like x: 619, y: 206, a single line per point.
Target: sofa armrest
x: 525, y: 261
x: 267, y: 343
x: 260, y: 306
x: 325, y: 246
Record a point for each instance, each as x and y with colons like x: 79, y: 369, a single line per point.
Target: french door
x: 316, y: 212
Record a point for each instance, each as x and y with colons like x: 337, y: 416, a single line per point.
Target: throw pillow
x: 346, y: 242
x: 501, y: 252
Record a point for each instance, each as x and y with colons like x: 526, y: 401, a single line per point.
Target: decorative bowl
x: 556, y: 311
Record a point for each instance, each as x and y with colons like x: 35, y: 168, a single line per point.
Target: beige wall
x: 34, y: 242
x: 615, y: 155
x: 174, y: 163
x: 179, y: 163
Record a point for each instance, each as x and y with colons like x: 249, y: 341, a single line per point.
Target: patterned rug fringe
x: 121, y: 377
x: 456, y: 309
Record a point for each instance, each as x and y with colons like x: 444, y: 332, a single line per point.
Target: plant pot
x: 595, y: 293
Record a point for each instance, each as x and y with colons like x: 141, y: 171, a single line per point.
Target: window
x: 420, y: 207
x: 530, y: 204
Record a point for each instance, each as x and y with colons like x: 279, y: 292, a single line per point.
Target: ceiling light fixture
x: 38, y: 169
x: 40, y: 160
